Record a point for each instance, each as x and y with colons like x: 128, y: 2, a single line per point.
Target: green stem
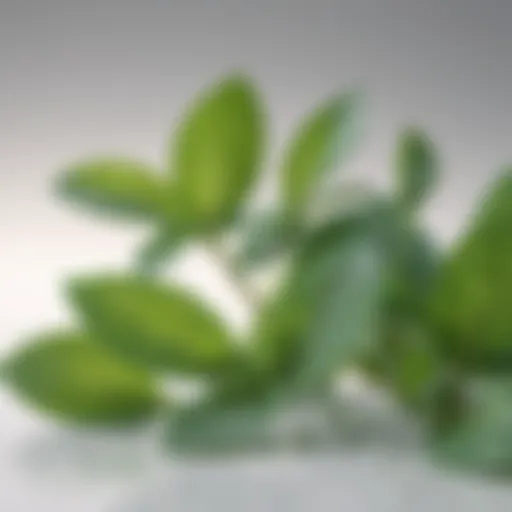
x: 237, y: 280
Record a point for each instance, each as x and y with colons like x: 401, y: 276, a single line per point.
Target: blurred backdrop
x: 79, y: 78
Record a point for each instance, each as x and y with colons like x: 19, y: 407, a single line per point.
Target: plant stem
x: 237, y: 280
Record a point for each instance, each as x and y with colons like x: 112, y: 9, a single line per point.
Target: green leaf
x: 71, y: 376
x: 246, y: 382
x: 410, y: 257
x: 405, y: 357
x: 316, y: 148
x: 116, y: 187
x: 217, y: 150
x: 472, y: 298
x: 345, y: 287
x: 237, y: 415
x: 152, y: 324
x: 279, y: 331
x: 284, y: 318
x: 409, y: 363
x: 319, y: 242
x: 283, y: 327
x: 264, y: 422
x: 482, y: 441
x: 414, y: 261
x: 416, y: 168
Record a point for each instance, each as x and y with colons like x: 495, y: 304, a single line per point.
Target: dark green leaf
x: 217, y: 150
x: 116, y: 187
x: 410, y: 257
x: 448, y: 404
x: 414, y: 261
x: 279, y: 332
x: 153, y: 324
x: 409, y: 363
x: 472, y: 298
x: 247, y: 382
x: 406, y: 357
x: 319, y: 242
x: 482, y: 441
x: 73, y: 377
x: 416, y: 168
x: 316, y: 148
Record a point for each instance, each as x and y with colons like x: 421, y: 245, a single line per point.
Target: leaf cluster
x: 363, y: 286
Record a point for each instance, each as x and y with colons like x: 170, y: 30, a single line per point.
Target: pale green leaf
x: 70, y: 376
x: 346, y: 285
x: 217, y: 150
x: 115, y: 187
x: 153, y: 324
x: 416, y: 167
x: 213, y: 429
x: 316, y: 148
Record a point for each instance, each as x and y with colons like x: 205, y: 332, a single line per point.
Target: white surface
x: 59, y: 472
x: 44, y: 468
